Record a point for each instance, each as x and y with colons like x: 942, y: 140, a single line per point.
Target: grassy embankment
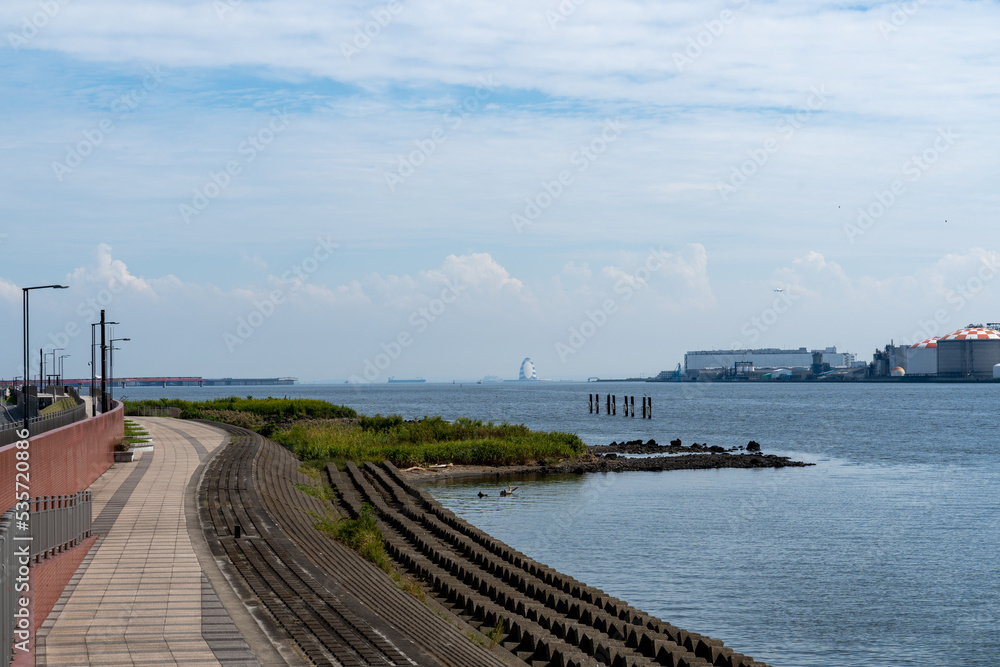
x: 65, y: 403
x: 318, y: 433
x: 257, y: 414
x: 427, y: 441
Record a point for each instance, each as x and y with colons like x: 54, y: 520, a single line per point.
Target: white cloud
x: 889, y: 94
x: 478, y: 271
x: 620, y: 52
x: 183, y: 329
x: 675, y: 278
x: 110, y: 273
x: 254, y: 260
x: 9, y: 291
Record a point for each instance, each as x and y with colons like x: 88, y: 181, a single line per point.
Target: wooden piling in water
x: 590, y: 402
x: 633, y: 406
x: 614, y: 408
x: 607, y: 404
x: 643, y: 407
x: 650, y: 408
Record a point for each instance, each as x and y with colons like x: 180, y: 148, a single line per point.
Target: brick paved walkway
x: 141, y: 597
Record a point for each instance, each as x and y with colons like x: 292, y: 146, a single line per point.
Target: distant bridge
x: 172, y: 381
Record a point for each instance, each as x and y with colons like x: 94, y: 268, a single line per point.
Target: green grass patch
x: 318, y: 491
x: 135, y: 434
x: 361, y: 535
x: 258, y: 414
x: 491, y: 638
x: 427, y: 441
x: 64, y: 403
x: 496, y: 635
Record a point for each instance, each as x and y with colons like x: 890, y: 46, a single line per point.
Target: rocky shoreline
x: 607, y: 458
x: 675, y: 447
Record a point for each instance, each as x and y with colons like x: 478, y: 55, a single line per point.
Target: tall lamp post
x: 25, y: 290
x: 93, y: 363
x: 113, y: 348
x: 62, y: 378
x: 55, y: 367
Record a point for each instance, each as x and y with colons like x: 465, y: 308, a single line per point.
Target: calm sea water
x: 887, y: 552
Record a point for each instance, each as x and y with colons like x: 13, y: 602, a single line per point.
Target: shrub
x: 429, y: 440
x: 248, y: 412
x: 361, y: 535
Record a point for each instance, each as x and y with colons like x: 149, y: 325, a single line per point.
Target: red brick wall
x: 63, y: 461
x: 50, y: 576
x: 60, y: 462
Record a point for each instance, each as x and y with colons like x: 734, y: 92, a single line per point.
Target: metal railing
x: 44, y: 423
x: 8, y: 592
x: 148, y: 411
x: 57, y: 523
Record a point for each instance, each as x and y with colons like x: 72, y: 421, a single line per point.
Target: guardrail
x: 147, y: 411
x: 8, y: 594
x: 57, y: 523
x: 42, y: 423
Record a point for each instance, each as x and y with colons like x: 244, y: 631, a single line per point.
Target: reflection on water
x: 833, y: 565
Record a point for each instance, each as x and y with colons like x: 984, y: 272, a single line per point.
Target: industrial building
x: 765, y: 358
x: 969, y: 353
x: 917, y: 359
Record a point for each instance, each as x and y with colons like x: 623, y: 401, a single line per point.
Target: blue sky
x: 253, y: 188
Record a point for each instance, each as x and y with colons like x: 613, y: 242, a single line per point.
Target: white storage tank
x: 921, y: 358
x: 970, y: 352
x: 996, y: 372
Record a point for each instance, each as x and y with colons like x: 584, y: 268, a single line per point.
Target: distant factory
x: 972, y: 353
x: 767, y: 363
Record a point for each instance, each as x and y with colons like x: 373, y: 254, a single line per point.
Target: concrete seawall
x: 549, y: 618
x: 324, y: 603
x: 318, y: 602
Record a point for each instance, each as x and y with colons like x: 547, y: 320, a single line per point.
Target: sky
x: 363, y: 190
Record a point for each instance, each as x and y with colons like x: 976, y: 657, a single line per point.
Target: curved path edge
x: 275, y: 649
x: 336, y: 608
x: 332, y: 605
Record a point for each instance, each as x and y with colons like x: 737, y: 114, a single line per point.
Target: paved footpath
x: 144, y: 594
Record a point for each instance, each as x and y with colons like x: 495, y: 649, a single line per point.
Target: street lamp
x: 25, y: 291
x: 61, y: 378
x: 93, y: 363
x: 112, y: 370
x: 55, y: 365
